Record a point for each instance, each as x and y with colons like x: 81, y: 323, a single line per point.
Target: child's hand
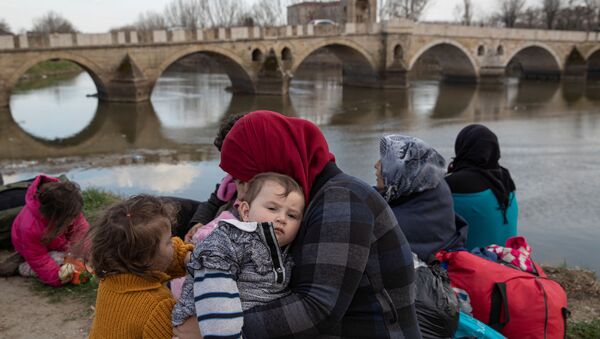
x: 65, y: 273
x: 191, y: 232
x: 187, y: 258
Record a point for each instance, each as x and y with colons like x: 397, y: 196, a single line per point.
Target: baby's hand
x: 191, y: 232
x: 65, y: 273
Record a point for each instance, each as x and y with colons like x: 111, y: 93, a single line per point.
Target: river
x: 549, y: 134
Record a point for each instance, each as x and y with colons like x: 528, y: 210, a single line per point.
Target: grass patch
x: 95, y: 200
x: 47, y: 73
x: 583, y: 329
x: 53, y: 67
x: 85, y: 293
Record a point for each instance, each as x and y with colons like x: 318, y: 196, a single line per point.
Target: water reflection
x: 186, y: 110
x: 549, y: 131
x: 160, y: 178
x: 63, y: 102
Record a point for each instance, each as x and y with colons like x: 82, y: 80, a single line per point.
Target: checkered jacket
x: 353, y: 273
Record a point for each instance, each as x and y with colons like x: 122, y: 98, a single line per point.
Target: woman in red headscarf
x: 353, y: 273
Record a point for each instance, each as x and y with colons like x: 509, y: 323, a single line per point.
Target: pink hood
x: 28, y: 229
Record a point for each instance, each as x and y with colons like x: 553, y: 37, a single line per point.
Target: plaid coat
x: 353, y: 273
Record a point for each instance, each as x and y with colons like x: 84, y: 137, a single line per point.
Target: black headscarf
x: 477, y: 150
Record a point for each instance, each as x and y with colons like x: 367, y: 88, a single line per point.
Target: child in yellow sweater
x: 134, y: 255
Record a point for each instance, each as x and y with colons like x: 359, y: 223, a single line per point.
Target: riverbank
x: 47, y: 73
x: 30, y: 309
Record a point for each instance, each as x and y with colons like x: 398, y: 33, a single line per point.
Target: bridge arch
x: 89, y: 66
x: 536, y: 60
x: 241, y: 80
x: 455, y: 60
x: 593, y: 63
x: 592, y: 52
x: 338, y: 46
x: 359, y: 67
x: 575, y: 64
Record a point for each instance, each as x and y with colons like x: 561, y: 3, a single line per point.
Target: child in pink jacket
x: 49, y: 225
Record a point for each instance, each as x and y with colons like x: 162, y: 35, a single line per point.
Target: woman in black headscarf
x: 483, y: 191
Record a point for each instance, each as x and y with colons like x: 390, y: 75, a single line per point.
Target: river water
x: 549, y: 134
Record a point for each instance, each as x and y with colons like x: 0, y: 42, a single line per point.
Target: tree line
x: 576, y: 15
x: 194, y: 14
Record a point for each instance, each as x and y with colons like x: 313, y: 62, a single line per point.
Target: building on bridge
x: 344, y: 11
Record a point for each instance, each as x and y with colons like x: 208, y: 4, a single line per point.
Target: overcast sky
x: 102, y: 15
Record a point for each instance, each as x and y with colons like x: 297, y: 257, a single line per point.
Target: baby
x: 243, y: 264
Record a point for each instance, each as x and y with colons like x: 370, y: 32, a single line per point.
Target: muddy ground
x: 30, y: 310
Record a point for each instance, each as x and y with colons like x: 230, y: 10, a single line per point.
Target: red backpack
x: 518, y: 304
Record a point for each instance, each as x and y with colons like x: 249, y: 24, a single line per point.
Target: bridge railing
x: 72, y: 40
x: 61, y: 41
x: 503, y: 33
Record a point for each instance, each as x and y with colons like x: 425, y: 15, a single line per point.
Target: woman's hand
x: 191, y: 232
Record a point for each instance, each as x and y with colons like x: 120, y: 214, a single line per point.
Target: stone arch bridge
x: 125, y: 66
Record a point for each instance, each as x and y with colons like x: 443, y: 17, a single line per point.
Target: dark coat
x: 428, y: 221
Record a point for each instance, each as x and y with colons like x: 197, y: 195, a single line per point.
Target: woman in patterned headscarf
x: 410, y: 176
x: 483, y: 191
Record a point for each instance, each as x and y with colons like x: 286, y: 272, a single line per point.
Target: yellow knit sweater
x: 131, y: 306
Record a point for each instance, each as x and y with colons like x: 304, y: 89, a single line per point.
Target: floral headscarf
x: 409, y: 165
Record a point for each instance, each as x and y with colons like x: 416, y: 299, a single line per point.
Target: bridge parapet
x: 458, y: 31
x: 51, y: 41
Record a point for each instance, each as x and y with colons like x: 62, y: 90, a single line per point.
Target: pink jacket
x: 28, y: 229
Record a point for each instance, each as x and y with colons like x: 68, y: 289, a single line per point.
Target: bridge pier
x: 575, y: 72
x: 394, y: 78
x: 492, y: 75
x: 273, y: 76
x: 3, y: 98
x: 127, y: 84
x: 272, y: 84
x: 4, y: 94
x: 125, y: 90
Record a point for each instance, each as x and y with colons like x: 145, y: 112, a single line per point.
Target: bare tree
x: 410, y: 9
x: 510, y: 11
x: 150, y: 21
x: 270, y: 12
x: 551, y: 9
x: 464, y: 13
x: 532, y: 18
x: 52, y: 22
x: 224, y: 13
x: 4, y: 27
x: 591, y: 14
x: 193, y: 14
x: 190, y: 14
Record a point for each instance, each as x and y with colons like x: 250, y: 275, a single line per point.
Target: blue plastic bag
x: 470, y: 327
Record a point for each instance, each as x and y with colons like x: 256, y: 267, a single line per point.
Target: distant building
x: 304, y: 12
x: 358, y: 11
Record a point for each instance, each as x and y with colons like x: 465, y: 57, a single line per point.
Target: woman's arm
x: 207, y: 210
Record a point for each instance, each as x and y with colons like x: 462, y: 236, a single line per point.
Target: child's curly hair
x: 224, y: 129
x: 127, y: 236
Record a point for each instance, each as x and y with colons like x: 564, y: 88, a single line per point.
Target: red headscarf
x: 265, y: 141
